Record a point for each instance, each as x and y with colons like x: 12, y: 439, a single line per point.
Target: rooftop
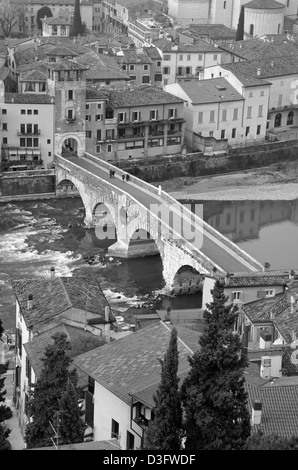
x: 201, y: 46
x: 262, y: 278
x: 29, y: 98
x: 214, y: 31
x: 210, y: 91
x: 152, y: 52
x: 66, y: 65
x: 267, y: 46
x: 61, y: 51
x: 53, y: 296
x: 142, y: 95
x: 55, y: 21
x: 101, y: 67
x: 131, y: 363
x: 132, y: 57
x: 264, y: 4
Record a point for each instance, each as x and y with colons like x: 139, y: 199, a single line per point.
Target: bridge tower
x: 66, y: 81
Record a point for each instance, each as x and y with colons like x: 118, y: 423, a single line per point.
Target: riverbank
x: 275, y: 182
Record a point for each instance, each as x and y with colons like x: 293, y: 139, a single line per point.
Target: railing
x: 29, y: 133
x: 110, y: 121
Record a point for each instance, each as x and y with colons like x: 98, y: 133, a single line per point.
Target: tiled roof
x: 152, y: 52
x: 66, y: 65
x: 264, y: 4
x: 278, y: 408
x: 259, y: 310
x: 31, y: 53
x: 142, y: 95
x: 33, y: 76
x: 61, y: 51
x: 131, y: 363
x: 200, y: 46
x: 210, y: 91
x: 247, y: 71
x: 100, y: 67
x: 27, y: 98
x: 267, y: 47
x: 214, y: 31
x: 92, y: 94
x: 132, y: 57
x: 55, y: 21
x: 55, y: 295
x: 262, y: 278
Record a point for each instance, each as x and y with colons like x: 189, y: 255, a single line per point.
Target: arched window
x: 251, y: 30
x: 277, y: 120
x: 290, y: 118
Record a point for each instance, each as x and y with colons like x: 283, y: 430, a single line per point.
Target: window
x: 146, y: 67
x: 258, y: 129
x: 91, y: 384
x: 28, y: 370
x: 290, y: 118
x: 87, y: 106
x: 132, y: 77
x: 279, y: 100
x: 277, y: 120
x: 233, y: 133
x: 224, y: 5
x: 109, y: 134
x: 251, y: 29
x: 180, y: 56
x: 262, y: 93
x: 188, y: 56
x: 250, y: 94
x: 4, y: 140
x: 70, y: 113
x: 130, y: 441
x: 98, y: 134
x: 98, y: 105
x: 88, y: 117
x: 4, y: 111
x: 215, y: 57
x: 158, y: 63
x: 200, y: 117
x: 252, y: 214
x: 249, y: 108
x: 145, y: 79
x: 222, y: 134
x: 123, y: 67
x: 109, y: 149
x: 131, y: 67
x: 210, y: 133
x: 115, y: 429
x: 224, y: 115
x: 247, y: 131
x: 188, y: 70
x: 88, y: 134
x: 4, y: 126
x: 153, y: 114
x: 270, y: 293
x: 49, y: 154
x: 98, y: 148
x: 35, y: 111
x: 98, y: 117
x: 22, y: 142
x: 136, y: 116
x: 237, y: 296
x: 235, y: 114
x: 212, y: 116
x: 35, y: 142
x: 172, y: 113
x: 158, y: 77
x: 23, y: 111
x: 166, y: 70
x: 29, y: 111
x: 260, y: 113
x: 167, y: 57
x: 122, y: 117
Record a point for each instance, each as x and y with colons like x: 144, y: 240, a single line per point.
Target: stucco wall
x: 29, y: 182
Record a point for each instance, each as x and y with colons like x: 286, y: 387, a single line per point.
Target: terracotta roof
x: 142, y: 95
x: 278, y: 405
x: 264, y: 4
x: 33, y: 76
x: 210, y: 91
x: 132, y: 57
x: 131, y: 363
x: 152, y: 52
x: 54, y: 296
x: 259, y: 310
x: 110, y: 444
x: 55, y: 21
x: 200, y: 46
x: 93, y: 94
x: 28, y: 98
x: 213, y: 31
x: 66, y: 65
x: 268, y: 46
x: 262, y: 278
x: 101, y: 68
x: 247, y: 71
x: 61, y: 51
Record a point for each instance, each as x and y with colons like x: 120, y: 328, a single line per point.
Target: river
x: 35, y: 235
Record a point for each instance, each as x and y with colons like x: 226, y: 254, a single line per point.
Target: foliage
x: 258, y: 441
x: 44, y: 403
x: 41, y: 13
x: 85, y: 343
x: 213, y: 393
x: 5, y: 411
x: 9, y: 16
x: 77, y: 27
x: 164, y: 431
x: 71, y: 429
x: 240, y: 27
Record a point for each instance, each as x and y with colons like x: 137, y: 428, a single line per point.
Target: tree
x: 5, y: 411
x: 164, y: 432
x: 44, y: 403
x: 9, y: 16
x: 41, y: 13
x: 258, y: 441
x: 77, y: 21
x: 72, y: 427
x: 213, y: 393
x: 240, y: 27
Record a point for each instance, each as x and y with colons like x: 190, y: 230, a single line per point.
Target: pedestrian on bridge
x: 123, y: 177
x: 127, y: 177
x: 111, y: 173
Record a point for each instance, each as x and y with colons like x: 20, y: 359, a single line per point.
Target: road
x: 227, y: 261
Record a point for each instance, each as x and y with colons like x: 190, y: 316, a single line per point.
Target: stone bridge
x: 139, y: 214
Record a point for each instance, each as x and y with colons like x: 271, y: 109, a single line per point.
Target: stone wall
x: 197, y: 164
x: 28, y: 182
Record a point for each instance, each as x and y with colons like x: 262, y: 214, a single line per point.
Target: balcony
x: 287, y: 107
x: 156, y: 133
x: 20, y: 133
x: 70, y: 119
x: 109, y: 121
x: 131, y: 137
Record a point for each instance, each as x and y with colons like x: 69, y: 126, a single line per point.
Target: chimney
x: 30, y: 302
x: 294, y: 335
x: 107, y: 314
x: 272, y: 64
x: 291, y: 275
x: 256, y: 413
x: 259, y: 72
x: 107, y: 334
x: 227, y: 279
x: 52, y: 272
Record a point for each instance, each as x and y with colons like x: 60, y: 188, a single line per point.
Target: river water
x: 35, y: 235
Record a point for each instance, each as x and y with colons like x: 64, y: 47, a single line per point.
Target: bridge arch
x: 142, y: 244
x: 187, y: 280
x: 104, y: 220
x: 75, y: 141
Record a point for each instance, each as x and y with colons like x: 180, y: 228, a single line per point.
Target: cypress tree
x: 5, y: 411
x: 48, y: 390
x: 213, y: 393
x: 77, y: 21
x: 71, y: 429
x: 164, y: 431
x: 240, y: 27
